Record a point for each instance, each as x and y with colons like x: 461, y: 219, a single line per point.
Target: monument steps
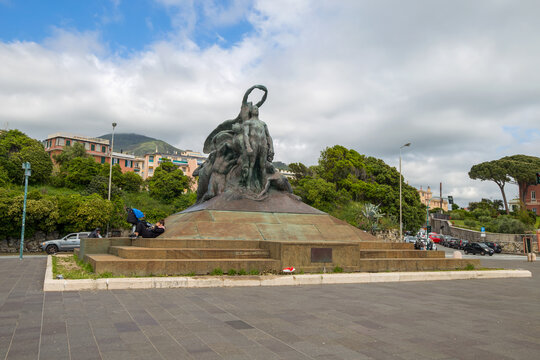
x: 133, y: 252
x: 144, y: 267
x: 170, y: 243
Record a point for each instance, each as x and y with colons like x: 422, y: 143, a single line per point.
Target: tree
x: 523, y: 169
x: 17, y: 148
x: 301, y: 171
x: 80, y: 171
x: 132, y: 182
x: 496, y: 171
x: 168, y: 182
x: 320, y: 194
x: 69, y: 153
x: 337, y: 163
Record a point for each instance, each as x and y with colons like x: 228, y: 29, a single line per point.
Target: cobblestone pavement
x: 463, y: 319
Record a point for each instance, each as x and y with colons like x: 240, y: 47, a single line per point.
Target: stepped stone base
x: 197, y: 242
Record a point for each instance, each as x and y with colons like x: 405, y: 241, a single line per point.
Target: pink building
x: 98, y: 148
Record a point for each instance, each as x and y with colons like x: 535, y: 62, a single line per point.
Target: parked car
x: 445, y: 239
x: 451, y: 242
x: 478, y: 248
x: 436, y: 238
x: 67, y: 243
x: 462, y: 244
x: 410, y: 239
x: 496, y: 247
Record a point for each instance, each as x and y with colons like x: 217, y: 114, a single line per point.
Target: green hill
x: 139, y: 144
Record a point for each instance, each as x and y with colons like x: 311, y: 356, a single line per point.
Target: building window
x: 126, y: 163
x: 87, y: 146
x: 93, y: 147
x: 151, y: 159
x: 68, y: 143
x: 103, y: 159
x: 103, y: 149
x: 533, y: 195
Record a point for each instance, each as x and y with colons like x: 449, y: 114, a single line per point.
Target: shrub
x: 254, y: 272
x: 338, y: 269
x: 484, y: 220
x: 508, y: 225
x: 242, y: 272
x: 470, y: 223
x: 216, y: 271
x: 231, y: 272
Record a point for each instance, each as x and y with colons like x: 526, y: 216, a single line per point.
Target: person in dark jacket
x: 95, y: 234
x: 149, y: 232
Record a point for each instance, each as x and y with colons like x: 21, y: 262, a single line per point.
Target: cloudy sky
x: 460, y: 80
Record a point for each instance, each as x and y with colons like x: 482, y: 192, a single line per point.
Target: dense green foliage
x: 168, y: 182
x: 487, y: 213
x: 17, y: 148
x: 74, y: 198
x: 345, y: 182
x: 521, y: 168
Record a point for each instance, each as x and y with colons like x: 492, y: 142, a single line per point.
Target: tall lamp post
x: 110, y: 168
x: 400, y: 208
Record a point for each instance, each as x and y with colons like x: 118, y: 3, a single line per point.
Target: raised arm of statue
x: 260, y: 87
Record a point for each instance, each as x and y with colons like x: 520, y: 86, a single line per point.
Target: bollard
x: 458, y: 255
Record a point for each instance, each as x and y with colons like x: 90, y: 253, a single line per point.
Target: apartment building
x: 426, y: 198
x: 98, y: 148
x: 187, y: 161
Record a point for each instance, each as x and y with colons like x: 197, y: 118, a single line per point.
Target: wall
x: 511, y: 243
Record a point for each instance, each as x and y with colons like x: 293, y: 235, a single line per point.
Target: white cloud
x: 448, y: 77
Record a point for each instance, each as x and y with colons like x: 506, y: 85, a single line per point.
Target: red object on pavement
x: 288, y: 269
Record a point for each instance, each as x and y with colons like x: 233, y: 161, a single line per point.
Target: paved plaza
x: 462, y: 319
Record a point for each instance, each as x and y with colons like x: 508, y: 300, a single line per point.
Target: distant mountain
x: 139, y: 144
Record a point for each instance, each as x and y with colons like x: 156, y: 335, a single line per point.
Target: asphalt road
x: 450, y: 253
x: 463, y: 319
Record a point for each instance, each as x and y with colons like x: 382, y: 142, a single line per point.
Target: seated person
x: 95, y: 234
x: 149, y: 232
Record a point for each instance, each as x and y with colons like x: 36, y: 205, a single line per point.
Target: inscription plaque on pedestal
x: 321, y: 255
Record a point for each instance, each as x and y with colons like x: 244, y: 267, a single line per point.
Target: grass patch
x: 70, y: 267
x: 254, y: 272
x: 337, y: 269
x: 242, y: 272
x: 216, y: 271
x: 231, y: 272
x: 469, y: 267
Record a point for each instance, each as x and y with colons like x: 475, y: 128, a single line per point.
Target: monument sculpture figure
x: 240, y: 157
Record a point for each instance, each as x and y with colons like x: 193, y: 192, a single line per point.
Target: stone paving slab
x: 495, y: 319
x: 51, y: 284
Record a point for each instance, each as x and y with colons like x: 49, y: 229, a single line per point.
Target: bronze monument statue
x: 240, y: 157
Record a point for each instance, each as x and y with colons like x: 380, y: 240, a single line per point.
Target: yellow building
x: 187, y: 161
x: 427, y: 195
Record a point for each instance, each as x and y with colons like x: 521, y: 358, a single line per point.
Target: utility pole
x: 400, y: 208
x: 441, y: 196
x: 27, y: 173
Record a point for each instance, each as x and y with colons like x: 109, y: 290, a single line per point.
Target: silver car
x: 67, y: 243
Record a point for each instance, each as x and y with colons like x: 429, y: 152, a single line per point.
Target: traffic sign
x: 483, y: 230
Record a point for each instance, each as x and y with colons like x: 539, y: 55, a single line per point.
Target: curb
x: 51, y: 284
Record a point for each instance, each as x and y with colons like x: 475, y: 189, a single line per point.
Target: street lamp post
x: 111, y: 160
x: 400, y: 207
